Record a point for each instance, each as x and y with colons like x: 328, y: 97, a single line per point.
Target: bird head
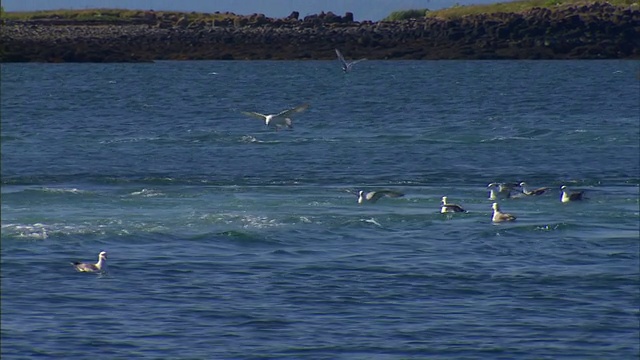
x: 102, y: 255
x: 495, y: 207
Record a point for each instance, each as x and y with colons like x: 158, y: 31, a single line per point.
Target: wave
x: 34, y: 231
x: 506, y: 138
x: 130, y: 140
x: 4, y: 138
x: 246, y: 221
x: 43, y: 190
x: 461, y: 175
x: 147, y: 193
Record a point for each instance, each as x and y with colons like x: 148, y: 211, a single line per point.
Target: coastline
x: 595, y: 31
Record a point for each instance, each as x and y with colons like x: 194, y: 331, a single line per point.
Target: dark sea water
x: 229, y: 240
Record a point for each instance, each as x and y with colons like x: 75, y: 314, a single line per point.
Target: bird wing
x: 576, y: 195
x: 340, y: 57
x: 375, y: 195
x: 507, y: 186
x: 289, y: 112
x: 254, y: 114
x: 354, y: 192
x: 455, y: 207
x: 391, y: 193
x: 505, y: 217
x: 539, y: 191
x: 356, y: 61
x: 84, y: 267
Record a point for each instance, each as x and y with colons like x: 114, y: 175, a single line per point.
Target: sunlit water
x: 226, y: 239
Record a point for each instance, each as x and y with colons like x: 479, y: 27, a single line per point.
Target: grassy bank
x: 452, y: 12
x: 504, y: 7
x: 517, y: 6
x: 108, y: 14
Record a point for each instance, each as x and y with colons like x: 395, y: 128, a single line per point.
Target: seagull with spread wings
x: 373, y: 196
x: 279, y: 120
x: 346, y: 65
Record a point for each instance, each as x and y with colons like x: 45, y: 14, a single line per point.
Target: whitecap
x: 147, y: 193
x: 372, y: 221
x: 248, y: 139
x: 243, y: 220
x: 129, y: 140
x: 63, y: 190
x: 36, y: 231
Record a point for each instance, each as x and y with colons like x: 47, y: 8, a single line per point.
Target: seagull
x: 97, y: 267
x: 529, y: 192
x: 281, y: 119
x: 500, y: 216
x: 499, y: 190
x: 569, y: 196
x: 346, y: 66
x: 373, y: 196
x: 448, y: 208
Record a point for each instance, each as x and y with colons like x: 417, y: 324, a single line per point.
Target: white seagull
x: 346, y: 66
x: 571, y: 196
x: 97, y: 267
x: 500, y: 216
x: 529, y: 192
x: 373, y: 196
x: 281, y: 119
x: 448, y: 208
x: 499, y: 191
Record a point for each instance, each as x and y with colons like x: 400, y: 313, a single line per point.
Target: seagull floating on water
x: 529, y: 192
x: 499, y: 190
x: 448, y: 208
x: 373, y: 196
x: 500, y: 216
x: 346, y: 65
x: 568, y: 196
x: 281, y: 119
x: 97, y: 267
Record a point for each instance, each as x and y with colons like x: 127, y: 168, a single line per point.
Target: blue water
x: 227, y: 239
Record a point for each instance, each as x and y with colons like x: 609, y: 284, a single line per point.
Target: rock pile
x: 596, y: 31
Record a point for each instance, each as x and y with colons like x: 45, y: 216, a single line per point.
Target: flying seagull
x: 373, y: 196
x: 448, y: 208
x: 529, y: 192
x: 97, y: 267
x: 499, y: 190
x: 346, y: 66
x: 281, y: 119
x: 571, y: 196
x: 500, y: 216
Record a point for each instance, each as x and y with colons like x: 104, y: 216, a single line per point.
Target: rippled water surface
x: 227, y: 239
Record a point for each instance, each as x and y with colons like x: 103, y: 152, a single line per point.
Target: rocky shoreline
x: 595, y: 31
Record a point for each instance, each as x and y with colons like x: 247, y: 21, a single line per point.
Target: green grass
x: 406, y: 14
x: 452, y: 12
x: 516, y: 7
x: 104, y: 15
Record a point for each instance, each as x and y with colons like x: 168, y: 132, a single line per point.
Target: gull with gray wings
x: 279, y: 120
x: 88, y: 267
x: 346, y: 65
x: 373, y: 196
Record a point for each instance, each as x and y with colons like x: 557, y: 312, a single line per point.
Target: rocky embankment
x: 596, y: 31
